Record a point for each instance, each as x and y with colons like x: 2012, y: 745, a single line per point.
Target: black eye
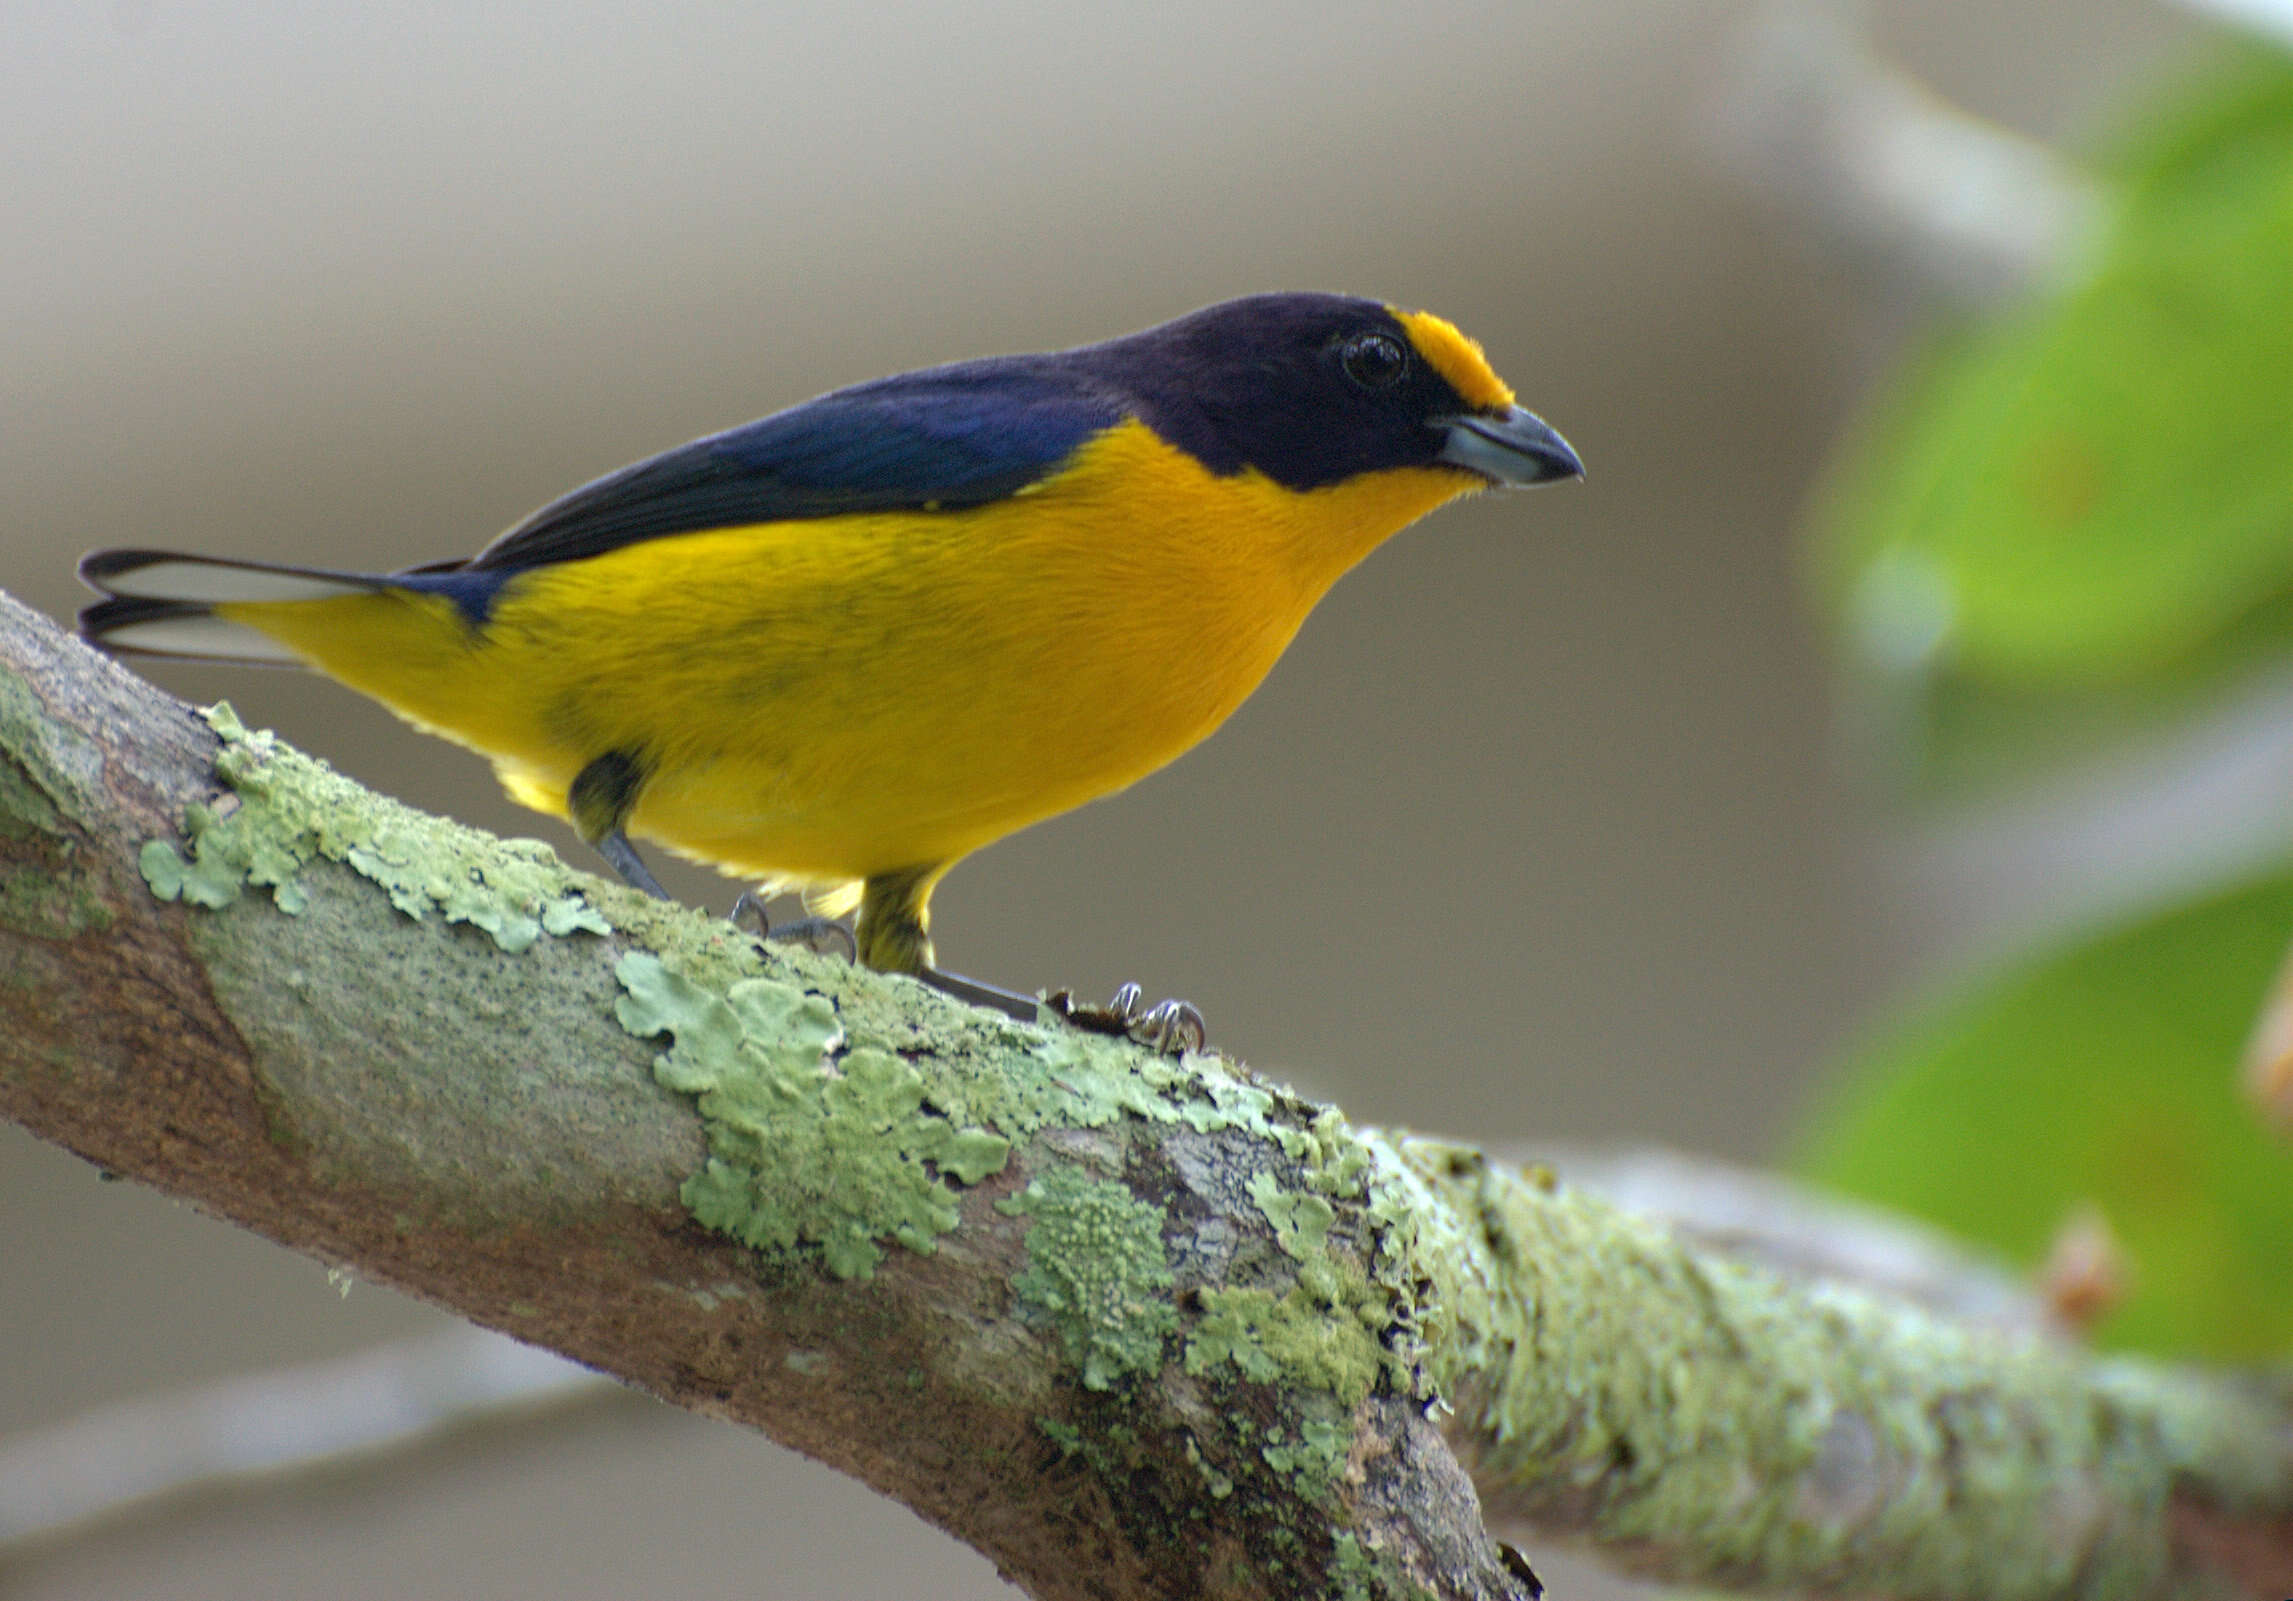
x: 1374, y: 361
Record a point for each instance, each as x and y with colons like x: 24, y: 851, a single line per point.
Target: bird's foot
x: 748, y: 914
x: 1171, y: 1027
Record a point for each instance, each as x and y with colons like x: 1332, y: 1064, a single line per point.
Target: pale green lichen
x: 1352, y: 1568
x: 1299, y: 1338
x: 1097, y: 1271
x: 293, y: 810
x: 1316, y: 1459
x: 1362, y: 1573
x: 1019, y: 1080
x: 1218, y: 1484
x: 1232, y: 1329
x: 1301, y: 1222
x: 1075, y: 1079
x: 803, y: 1151
x: 1828, y: 1438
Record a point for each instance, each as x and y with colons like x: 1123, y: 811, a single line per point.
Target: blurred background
x: 1540, y: 830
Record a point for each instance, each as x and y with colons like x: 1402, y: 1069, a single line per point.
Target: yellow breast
x: 820, y: 700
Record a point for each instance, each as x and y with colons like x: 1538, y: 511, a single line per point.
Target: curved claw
x: 1171, y: 1027
x: 748, y: 913
x: 749, y: 916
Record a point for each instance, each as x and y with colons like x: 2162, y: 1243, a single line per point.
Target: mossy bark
x: 1130, y: 1326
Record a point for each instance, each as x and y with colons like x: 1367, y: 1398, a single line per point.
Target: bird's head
x: 1315, y: 389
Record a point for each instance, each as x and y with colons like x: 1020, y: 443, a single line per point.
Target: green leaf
x: 2082, y: 512
x: 2105, y: 1072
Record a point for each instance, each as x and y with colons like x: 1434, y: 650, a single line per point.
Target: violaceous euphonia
x: 841, y: 648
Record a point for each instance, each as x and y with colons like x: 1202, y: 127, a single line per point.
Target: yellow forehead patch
x: 1456, y: 358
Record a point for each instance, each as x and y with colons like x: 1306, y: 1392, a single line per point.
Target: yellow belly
x: 819, y: 701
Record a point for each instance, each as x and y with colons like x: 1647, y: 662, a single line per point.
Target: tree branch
x: 65, y: 1479
x: 1132, y: 1327
x: 1761, y: 1220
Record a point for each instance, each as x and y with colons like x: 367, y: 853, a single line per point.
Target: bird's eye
x: 1374, y: 361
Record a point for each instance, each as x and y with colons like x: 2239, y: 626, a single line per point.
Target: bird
x: 838, y: 649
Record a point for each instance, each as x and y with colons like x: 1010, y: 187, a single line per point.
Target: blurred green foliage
x: 2069, y: 522
x: 2069, y: 518
x: 2105, y: 1073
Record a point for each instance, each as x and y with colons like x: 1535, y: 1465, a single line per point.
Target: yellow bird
x: 843, y: 647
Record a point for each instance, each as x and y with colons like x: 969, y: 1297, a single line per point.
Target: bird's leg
x: 750, y: 916
x: 893, y: 935
x: 1171, y: 1027
x: 1026, y: 1008
x: 622, y: 857
x: 599, y: 802
x: 893, y: 929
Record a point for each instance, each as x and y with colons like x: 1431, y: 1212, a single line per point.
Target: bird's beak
x: 1512, y: 451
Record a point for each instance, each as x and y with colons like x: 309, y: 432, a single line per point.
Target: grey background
x: 1537, y: 831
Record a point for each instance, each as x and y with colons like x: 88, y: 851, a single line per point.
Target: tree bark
x: 1130, y: 1326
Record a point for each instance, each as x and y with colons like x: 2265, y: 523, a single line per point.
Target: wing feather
x: 945, y: 437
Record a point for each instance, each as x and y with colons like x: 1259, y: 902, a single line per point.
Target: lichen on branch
x: 1134, y: 1326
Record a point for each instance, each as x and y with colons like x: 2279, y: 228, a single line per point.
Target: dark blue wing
x: 946, y: 437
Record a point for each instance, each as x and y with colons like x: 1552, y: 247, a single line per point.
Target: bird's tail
x: 161, y: 603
